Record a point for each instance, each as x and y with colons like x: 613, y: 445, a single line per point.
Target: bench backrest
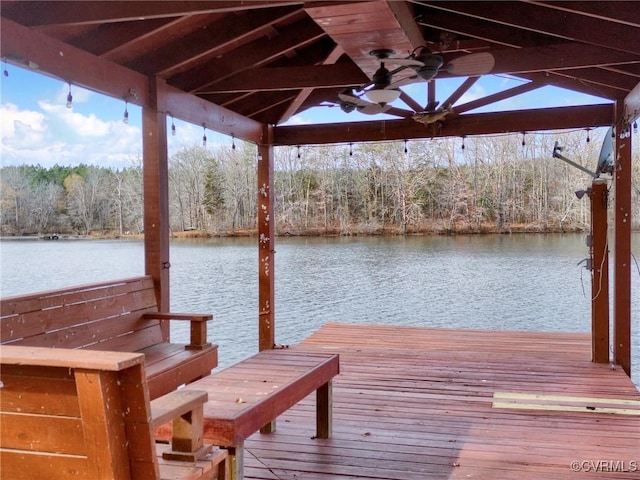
x: 101, y: 316
x: 85, y: 415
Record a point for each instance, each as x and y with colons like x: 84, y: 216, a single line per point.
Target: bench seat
x: 248, y: 396
x: 120, y: 315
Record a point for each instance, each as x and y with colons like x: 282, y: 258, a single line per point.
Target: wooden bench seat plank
x: 249, y: 395
x: 121, y: 315
x: 230, y: 420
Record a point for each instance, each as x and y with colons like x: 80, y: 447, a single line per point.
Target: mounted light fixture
x: 581, y: 193
x: 125, y: 117
x: 69, y: 98
x: 380, y: 94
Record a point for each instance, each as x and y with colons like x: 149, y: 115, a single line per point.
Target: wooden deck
x: 421, y: 403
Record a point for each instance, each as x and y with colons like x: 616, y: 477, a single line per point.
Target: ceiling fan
x: 376, y: 95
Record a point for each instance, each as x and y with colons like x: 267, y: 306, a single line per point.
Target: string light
x: 405, y: 147
x: 298, y: 151
x: 204, y: 135
x: 5, y: 72
x: 125, y: 118
x: 173, y: 127
x: 233, y: 142
x: 523, y: 142
x: 350, y: 149
x: 588, y: 137
x: 462, y: 147
x: 635, y: 126
x: 69, y: 98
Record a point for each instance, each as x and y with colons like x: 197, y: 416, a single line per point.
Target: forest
x: 498, y: 184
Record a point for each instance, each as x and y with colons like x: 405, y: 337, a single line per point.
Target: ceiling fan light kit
x: 382, y: 96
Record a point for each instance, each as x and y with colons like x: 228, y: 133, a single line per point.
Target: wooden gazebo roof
x: 234, y: 66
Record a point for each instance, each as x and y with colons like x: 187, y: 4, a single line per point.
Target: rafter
x: 59, y: 12
x: 248, y: 56
x: 570, y: 26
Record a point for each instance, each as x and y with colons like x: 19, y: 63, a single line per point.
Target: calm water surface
x: 512, y: 282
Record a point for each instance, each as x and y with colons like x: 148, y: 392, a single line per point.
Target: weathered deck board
x: 417, y: 403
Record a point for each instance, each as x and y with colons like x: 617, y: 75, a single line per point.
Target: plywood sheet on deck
x: 417, y: 403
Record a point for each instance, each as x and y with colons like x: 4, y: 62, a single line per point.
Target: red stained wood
x: 121, y: 315
x: 416, y: 403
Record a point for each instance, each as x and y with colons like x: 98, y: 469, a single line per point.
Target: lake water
x: 510, y: 282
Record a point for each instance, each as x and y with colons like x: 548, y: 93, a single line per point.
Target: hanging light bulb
x: 523, y: 142
x: 462, y: 147
x: 298, y: 151
x: 69, y: 98
x: 5, y: 72
x: 204, y: 136
x: 588, y: 137
x: 125, y: 117
x: 405, y: 147
x: 350, y: 149
x: 233, y: 142
x: 635, y: 126
x: 173, y: 127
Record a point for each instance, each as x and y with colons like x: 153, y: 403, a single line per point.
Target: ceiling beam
x: 462, y: 125
x: 291, y: 78
x: 31, y: 49
x: 296, y: 104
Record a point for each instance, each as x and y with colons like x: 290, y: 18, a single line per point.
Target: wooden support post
x: 599, y: 273
x: 156, y: 199
x: 236, y: 462
x: 266, y: 252
x: 622, y: 251
x: 324, y: 410
x: 266, y: 233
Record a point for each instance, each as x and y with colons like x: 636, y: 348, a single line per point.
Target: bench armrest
x: 175, y: 404
x: 198, y: 326
x: 185, y: 409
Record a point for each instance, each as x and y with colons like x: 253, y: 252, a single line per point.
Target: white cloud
x: 79, y: 124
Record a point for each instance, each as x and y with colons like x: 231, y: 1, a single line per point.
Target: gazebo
x: 244, y: 68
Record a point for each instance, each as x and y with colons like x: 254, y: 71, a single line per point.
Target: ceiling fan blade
x: 406, y: 62
x: 373, y: 108
x: 359, y: 102
x: 404, y: 81
x: 472, y: 64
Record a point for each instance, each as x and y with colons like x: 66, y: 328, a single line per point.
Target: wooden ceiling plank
x: 67, y: 12
x: 248, y: 56
x: 612, y: 11
x: 156, y: 38
x: 211, y: 40
x: 358, y: 42
x: 557, y: 57
x: 475, y: 28
x: 471, y: 124
x: 531, y: 17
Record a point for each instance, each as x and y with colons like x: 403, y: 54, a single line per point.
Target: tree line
x: 481, y: 184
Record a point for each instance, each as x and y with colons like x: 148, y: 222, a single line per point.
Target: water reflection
x: 514, y: 282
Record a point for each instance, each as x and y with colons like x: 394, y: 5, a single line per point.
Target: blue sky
x: 36, y: 128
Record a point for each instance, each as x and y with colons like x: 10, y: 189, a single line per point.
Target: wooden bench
x: 87, y: 415
x: 120, y: 315
x: 249, y: 395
